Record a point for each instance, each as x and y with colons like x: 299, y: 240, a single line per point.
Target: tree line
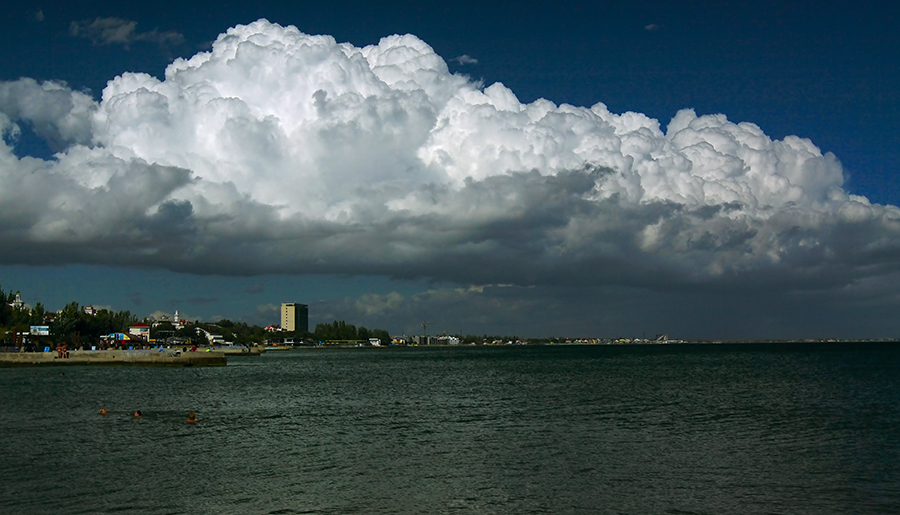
x: 342, y: 331
x: 70, y: 324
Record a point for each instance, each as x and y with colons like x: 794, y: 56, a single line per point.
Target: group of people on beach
x: 192, y: 417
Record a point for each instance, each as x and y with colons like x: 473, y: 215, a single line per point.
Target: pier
x: 143, y: 357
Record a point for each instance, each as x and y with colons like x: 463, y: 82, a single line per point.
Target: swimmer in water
x: 103, y: 411
x: 137, y: 414
x: 192, y: 418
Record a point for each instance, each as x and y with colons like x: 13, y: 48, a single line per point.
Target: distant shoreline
x: 201, y: 358
x: 607, y: 343
x: 147, y: 357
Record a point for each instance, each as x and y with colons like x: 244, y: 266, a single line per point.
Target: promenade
x: 143, y: 357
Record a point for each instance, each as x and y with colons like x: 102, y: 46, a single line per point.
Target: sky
x: 587, y: 169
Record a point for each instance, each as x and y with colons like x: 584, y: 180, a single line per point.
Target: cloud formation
x: 116, y: 31
x: 464, y: 59
x: 282, y: 152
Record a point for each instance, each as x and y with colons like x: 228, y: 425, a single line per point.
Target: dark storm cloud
x: 202, y: 300
x: 523, y: 229
x: 116, y: 31
x: 611, y: 311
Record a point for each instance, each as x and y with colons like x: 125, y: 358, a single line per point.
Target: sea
x: 651, y: 429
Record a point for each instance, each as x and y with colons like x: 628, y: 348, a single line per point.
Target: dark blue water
x: 663, y: 429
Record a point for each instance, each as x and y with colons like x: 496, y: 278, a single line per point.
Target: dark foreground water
x: 671, y: 430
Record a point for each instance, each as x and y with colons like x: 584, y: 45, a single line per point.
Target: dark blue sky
x: 828, y: 71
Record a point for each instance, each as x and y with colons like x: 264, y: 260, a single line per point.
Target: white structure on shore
x: 213, y: 339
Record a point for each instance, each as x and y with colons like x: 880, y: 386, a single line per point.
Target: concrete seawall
x: 241, y: 351
x: 148, y: 357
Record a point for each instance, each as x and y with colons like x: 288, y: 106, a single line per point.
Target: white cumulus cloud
x: 282, y: 152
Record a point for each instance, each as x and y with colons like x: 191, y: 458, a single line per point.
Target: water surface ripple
x: 812, y: 428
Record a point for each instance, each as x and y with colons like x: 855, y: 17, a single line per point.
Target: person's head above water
x: 103, y: 411
x: 137, y: 413
x: 192, y: 417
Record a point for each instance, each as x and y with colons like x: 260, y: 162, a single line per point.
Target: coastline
x: 146, y: 357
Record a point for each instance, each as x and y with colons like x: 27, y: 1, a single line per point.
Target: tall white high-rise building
x: 294, y: 317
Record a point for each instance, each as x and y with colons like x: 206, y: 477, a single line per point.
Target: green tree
x: 5, y: 309
x: 382, y: 335
x: 163, y: 330
x: 37, y: 314
x: 67, y: 322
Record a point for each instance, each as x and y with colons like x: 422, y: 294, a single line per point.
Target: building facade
x: 294, y: 317
x: 142, y: 330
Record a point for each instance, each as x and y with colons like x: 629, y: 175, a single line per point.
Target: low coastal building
x: 140, y: 330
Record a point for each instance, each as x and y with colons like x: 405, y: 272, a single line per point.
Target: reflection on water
x: 686, y: 429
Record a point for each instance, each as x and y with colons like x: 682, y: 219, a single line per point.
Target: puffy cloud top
x: 278, y: 151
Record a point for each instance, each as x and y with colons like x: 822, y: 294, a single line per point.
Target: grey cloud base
x: 280, y: 152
